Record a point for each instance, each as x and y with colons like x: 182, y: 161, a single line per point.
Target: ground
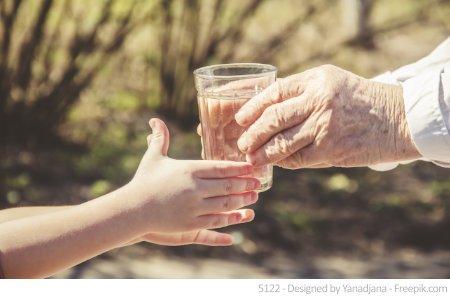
x: 139, y: 262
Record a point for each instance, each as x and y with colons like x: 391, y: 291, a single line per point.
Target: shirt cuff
x: 424, y: 116
x: 387, y: 77
x: 383, y: 167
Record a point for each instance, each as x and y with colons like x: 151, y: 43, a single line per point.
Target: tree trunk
x: 355, y: 18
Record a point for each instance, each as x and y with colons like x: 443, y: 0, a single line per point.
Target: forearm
x: 42, y: 245
x: 23, y: 212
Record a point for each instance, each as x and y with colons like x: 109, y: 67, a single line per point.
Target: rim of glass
x: 270, y: 70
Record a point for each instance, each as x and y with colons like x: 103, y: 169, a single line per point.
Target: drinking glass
x: 221, y: 91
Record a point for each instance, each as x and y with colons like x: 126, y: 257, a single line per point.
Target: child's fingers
x: 227, y: 203
x: 221, y: 169
x: 213, y: 238
x: 228, y: 186
x: 203, y: 237
x: 225, y: 219
x: 168, y: 239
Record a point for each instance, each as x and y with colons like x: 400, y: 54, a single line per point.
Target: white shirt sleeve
x: 426, y: 92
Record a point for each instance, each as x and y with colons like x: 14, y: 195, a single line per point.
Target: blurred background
x: 80, y: 79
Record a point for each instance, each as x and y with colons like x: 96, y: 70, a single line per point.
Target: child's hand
x: 187, y: 196
x: 201, y: 237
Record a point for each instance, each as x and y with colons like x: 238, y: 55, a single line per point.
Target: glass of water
x: 221, y: 91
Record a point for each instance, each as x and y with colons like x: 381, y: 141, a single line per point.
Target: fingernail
x: 242, y: 144
x: 152, y: 124
x: 238, y: 117
x: 249, y: 215
x: 238, y: 217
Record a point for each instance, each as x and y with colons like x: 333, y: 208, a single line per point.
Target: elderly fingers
x: 284, y: 144
x: 304, y: 158
x: 275, y: 119
x: 282, y: 89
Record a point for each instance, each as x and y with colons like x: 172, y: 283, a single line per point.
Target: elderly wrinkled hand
x: 324, y: 117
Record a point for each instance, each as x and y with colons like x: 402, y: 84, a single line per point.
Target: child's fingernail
x: 152, y: 124
x: 249, y: 215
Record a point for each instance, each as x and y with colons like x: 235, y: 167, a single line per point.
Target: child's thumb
x: 158, y: 141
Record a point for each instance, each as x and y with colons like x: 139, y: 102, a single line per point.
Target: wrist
x: 402, y: 145
x: 121, y: 210
x: 140, y: 203
x: 405, y: 147
x: 391, y: 130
